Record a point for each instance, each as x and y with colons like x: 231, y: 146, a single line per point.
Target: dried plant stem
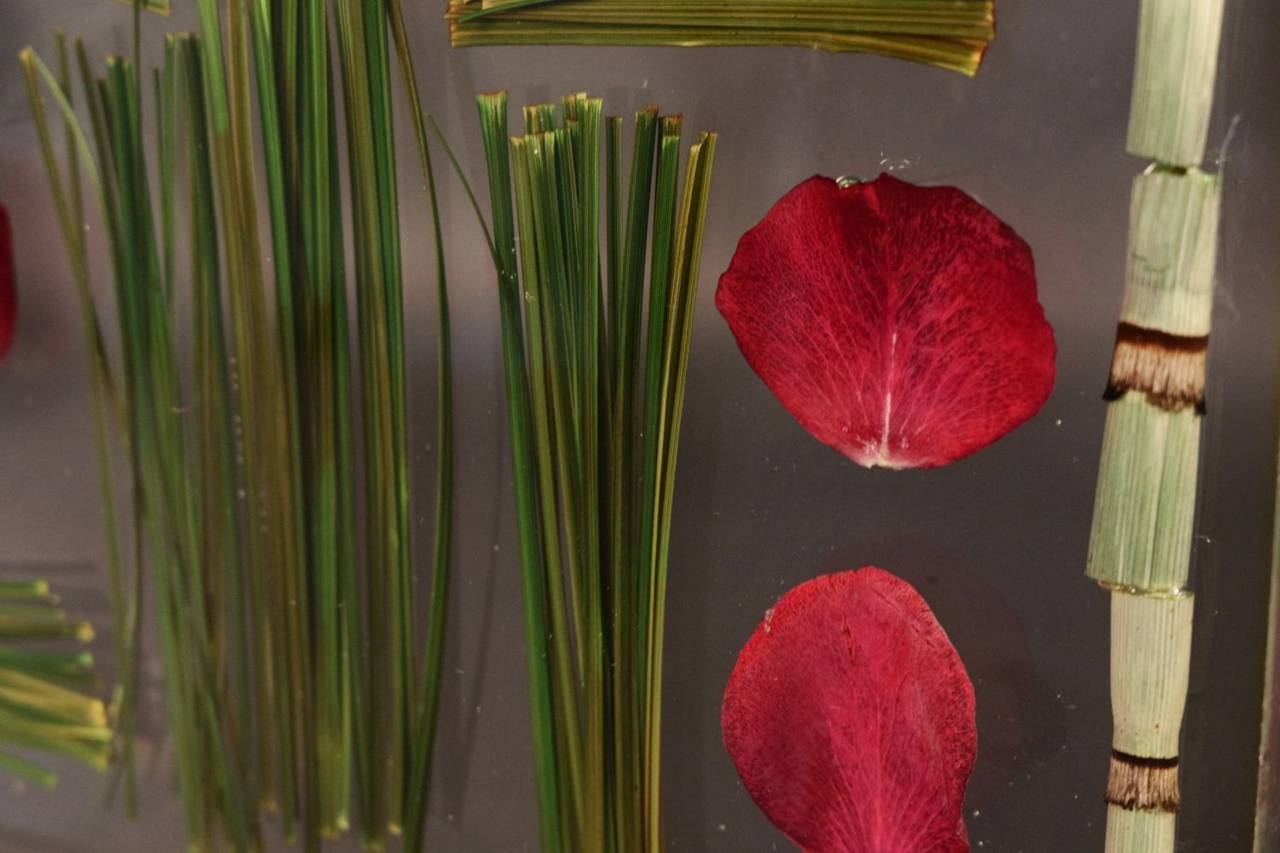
x: 1141, y: 542
x: 41, y: 707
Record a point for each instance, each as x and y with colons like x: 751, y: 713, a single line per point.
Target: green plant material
x: 23, y: 590
x: 493, y: 128
x: 70, y: 666
x: 951, y: 34
x: 1144, y: 514
x: 39, y: 710
x: 594, y: 397
x: 1150, y: 671
x: 105, y: 403
x: 298, y: 676
x: 1173, y: 82
x: 1146, y: 495
x: 363, y: 47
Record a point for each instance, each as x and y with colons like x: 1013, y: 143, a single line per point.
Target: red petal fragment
x: 8, y: 292
x: 899, y: 324
x: 850, y: 718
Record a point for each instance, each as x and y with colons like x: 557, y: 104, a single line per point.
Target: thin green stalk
x: 69, y: 666
x: 626, y: 295
x: 432, y: 664
x: 69, y: 204
x: 493, y: 124
x: 365, y: 66
x: 562, y: 664
x: 23, y: 589
x: 39, y: 707
x: 652, y: 407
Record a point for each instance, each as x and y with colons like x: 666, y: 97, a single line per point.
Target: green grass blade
x: 493, y: 124
x: 432, y: 663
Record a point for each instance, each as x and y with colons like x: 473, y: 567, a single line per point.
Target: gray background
x: 996, y: 542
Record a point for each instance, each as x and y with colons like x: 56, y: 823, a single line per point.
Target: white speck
x: 1058, y: 422
x: 722, y: 827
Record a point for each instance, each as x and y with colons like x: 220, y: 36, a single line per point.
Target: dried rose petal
x: 899, y: 324
x: 8, y: 294
x: 850, y: 718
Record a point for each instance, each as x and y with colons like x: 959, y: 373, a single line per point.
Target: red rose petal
x: 8, y: 293
x: 899, y: 324
x: 850, y: 718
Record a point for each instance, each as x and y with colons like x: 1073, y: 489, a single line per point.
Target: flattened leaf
x: 850, y: 719
x: 8, y: 289
x: 899, y: 324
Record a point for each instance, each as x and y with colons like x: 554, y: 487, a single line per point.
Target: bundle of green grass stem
x: 263, y: 430
x: 595, y: 385
x: 45, y: 706
x: 951, y: 34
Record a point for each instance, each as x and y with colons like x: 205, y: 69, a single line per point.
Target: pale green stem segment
x: 1173, y: 239
x: 1173, y: 81
x: 1133, y: 831
x: 1145, y: 503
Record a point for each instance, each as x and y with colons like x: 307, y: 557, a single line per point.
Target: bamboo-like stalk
x: 1141, y: 542
x: 951, y: 34
x: 594, y: 397
x: 1174, y: 79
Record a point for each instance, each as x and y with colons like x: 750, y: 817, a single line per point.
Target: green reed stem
x: 493, y: 127
x: 594, y: 396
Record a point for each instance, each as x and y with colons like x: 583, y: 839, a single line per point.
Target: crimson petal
x: 8, y: 292
x: 850, y: 718
x: 899, y: 324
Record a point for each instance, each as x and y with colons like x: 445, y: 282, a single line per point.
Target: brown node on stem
x: 1143, y: 784
x: 1168, y: 369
